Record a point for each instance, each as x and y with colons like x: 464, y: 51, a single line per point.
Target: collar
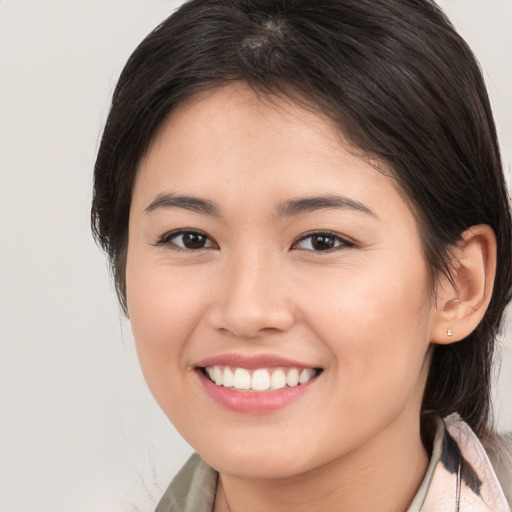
x: 460, y: 476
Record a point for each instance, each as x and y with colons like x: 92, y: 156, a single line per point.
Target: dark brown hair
x: 402, y: 86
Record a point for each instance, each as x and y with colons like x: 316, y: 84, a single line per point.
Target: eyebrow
x: 195, y: 204
x: 323, y: 202
x: 286, y: 209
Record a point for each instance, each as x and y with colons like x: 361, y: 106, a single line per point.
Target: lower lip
x: 253, y: 402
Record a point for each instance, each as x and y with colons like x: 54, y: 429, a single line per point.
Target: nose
x: 253, y: 299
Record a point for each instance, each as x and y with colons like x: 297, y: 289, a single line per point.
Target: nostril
x: 251, y: 322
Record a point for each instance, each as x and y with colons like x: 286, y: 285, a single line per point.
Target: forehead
x: 219, y: 117
x: 232, y: 143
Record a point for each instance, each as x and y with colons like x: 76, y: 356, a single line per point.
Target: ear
x: 461, y: 304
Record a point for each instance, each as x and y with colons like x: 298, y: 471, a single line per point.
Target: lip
x: 252, y: 362
x: 260, y: 402
x: 253, y: 402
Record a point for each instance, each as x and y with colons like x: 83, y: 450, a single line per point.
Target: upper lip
x: 252, y: 361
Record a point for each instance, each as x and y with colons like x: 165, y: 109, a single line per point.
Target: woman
x: 305, y: 212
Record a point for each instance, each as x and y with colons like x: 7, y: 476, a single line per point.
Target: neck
x: 383, y: 475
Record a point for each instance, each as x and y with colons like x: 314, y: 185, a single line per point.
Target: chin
x: 257, y: 458
x: 261, y: 466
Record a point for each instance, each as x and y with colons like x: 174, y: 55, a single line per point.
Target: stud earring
x: 449, y: 332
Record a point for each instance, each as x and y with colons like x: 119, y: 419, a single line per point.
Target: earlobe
x: 462, y: 302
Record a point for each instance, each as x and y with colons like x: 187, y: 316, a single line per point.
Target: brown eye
x: 319, y: 242
x: 322, y: 242
x: 187, y: 240
x: 193, y: 240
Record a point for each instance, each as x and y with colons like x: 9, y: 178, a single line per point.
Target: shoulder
x: 461, y: 475
x: 499, y: 450
x: 490, y: 459
x: 192, y: 489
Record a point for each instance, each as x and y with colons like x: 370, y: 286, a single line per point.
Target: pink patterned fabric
x: 463, y: 479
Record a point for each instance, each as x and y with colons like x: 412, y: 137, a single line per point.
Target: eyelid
x: 345, y: 242
x: 166, y: 238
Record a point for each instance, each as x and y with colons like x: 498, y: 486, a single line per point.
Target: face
x: 263, y: 255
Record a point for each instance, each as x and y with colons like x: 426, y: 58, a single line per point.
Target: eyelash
x: 167, y: 239
x: 342, y: 242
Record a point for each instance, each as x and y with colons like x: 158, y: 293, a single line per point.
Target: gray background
x: 78, y: 429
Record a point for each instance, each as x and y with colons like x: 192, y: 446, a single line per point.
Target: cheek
x: 375, y: 322
x: 378, y: 346
x: 163, y: 313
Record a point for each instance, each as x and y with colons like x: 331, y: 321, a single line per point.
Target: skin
x: 363, y: 311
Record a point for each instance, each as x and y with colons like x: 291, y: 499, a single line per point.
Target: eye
x: 187, y: 240
x: 322, y: 241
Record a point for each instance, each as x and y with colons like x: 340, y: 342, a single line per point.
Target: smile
x: 255, y: 385
x: 259, y: 379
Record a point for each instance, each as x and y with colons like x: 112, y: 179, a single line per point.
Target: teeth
x: 292, y: 379
x: 241, y: 379
x: 278, y: 379
x: 217, y: 375
x: 261, y: 379
x: 228, y: 378
x: 306, y: 375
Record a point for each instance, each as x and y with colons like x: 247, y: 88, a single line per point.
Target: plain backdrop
x: 78, y: 428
